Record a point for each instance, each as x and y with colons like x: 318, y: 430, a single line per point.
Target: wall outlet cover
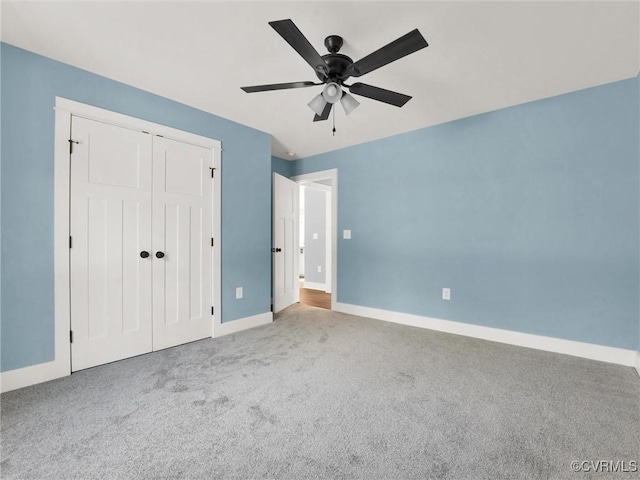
x: 239, y: 293
x: 446, y: 294
x: 346, y: 234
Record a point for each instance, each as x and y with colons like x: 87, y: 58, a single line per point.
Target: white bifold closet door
x: 134, y: 194
x: 182, y: 231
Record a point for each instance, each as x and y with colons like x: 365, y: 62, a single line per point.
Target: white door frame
x: 64, y: 109
x: 332, y: 175
x: 326, y: 286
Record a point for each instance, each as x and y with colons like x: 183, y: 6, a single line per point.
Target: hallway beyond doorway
x: 314, y: 298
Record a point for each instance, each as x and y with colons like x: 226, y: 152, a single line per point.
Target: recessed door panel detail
x: 196, y: 266
x: 114, y: 155
x: 97, y: 281
x: 131, y: 267
x: 172, y: 264
x: 184, y: 169
x: 140, y: 260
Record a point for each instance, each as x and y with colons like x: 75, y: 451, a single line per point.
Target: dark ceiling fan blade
x: 278, y: 86
x: 380, y: 94
x: 403, y: 46
x: 294, y: 37
x: 325, y: 113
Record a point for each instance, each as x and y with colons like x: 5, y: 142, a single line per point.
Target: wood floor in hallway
x: 314, y: 298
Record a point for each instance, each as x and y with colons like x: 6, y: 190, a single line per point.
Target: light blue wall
x: 529, y: 214
x: 29, y: 86
x: 282, y: 166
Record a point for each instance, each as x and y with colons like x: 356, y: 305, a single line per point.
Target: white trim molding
x: 637, y: 365
x: 27, y: 376
x: 591, y: 351
x: 315, y: 286
x: 235, y: 326
x: 120, y: 120
x: 43, y: 372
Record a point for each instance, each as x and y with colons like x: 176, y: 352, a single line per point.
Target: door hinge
x: 212, y: 241
x: 70, y: 336
x: 212, y: 171
x: 70, y: 241
x: 212, y: 311
x: 71, y: 142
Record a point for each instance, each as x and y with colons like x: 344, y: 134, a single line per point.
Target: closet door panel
x: 110, y: 225
x: 182, y: 209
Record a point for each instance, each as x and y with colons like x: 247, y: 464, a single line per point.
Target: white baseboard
x: 235, y: 326
x: 591, y: 351
x: 24, y: 377
x: 315, y: 286
x: 637, y: 365
x: 43, y: 372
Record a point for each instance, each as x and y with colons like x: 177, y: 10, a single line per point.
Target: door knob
x: 278, y: 250
x: 159, y: 254
x: 144, y: 254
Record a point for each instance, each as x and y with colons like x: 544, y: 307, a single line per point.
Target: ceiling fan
x: 334, y: 68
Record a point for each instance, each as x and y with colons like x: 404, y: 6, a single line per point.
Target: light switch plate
x: 319, y: 268
x: 346, y: 234
x: 315, y: 236
x: 239, y: 293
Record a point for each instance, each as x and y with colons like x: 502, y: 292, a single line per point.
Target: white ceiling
x: 482, y: 56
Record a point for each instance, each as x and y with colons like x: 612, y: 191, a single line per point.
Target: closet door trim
x: 64, y: 109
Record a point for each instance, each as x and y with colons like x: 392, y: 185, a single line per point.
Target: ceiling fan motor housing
x: 336, y: 62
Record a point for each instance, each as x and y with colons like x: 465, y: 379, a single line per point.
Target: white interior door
x: 110, y: 227
x: 182, y: 210
x: 286, y: 214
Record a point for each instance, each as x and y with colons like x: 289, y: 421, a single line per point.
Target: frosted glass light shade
x: 317, y: 104
x: 349, y: 103
x: 332, y: 92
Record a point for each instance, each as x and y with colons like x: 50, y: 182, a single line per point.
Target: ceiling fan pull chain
x: 334, y: 122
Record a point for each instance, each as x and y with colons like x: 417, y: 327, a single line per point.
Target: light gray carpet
x: 319, y: 394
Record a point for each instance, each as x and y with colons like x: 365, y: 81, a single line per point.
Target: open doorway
x: 317, y: 225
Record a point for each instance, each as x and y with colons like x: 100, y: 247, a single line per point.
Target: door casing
x: 332, y: 175
x: 64, y: 109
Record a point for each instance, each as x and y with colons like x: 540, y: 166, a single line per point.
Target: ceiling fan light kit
x: 349, y: 103
x: 317, y: 104
x: 332, y: 92
x: 334, y: 68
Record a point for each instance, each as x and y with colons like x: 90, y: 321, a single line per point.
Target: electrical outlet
x: 315, y: 236
x: 319, y: 268
x: 346, y: 234
x: 446, y: 294
x: 239, y: 293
